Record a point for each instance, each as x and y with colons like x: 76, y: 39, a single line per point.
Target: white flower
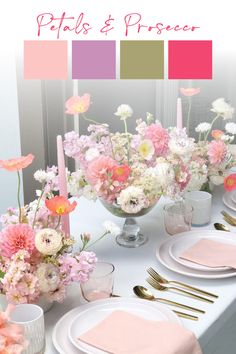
x: 222, y: 108
x: 227, y: 138
x: 179, y: 143
x: 124, y: 111
x: 132, y: 200
x: 146, y: 149
x: 48, y: 277
x: 43, y: 176
x: 163, y: 171
x: 91, y: 154
x: 203, y: 127
x: 230, y: 128
x: 48, y: 241
x: 112, y: 228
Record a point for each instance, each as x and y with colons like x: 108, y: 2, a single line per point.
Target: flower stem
x: 216, y: 117
x: 189, y: 111
x: 38, y: 203
x: 93, y: 243
x: 91, y: 120
x: 18, y: 195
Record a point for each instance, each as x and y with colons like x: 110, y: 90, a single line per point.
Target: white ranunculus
x: 91, y: 154
x: 124, y: 111
x: 163, y: 171
x: 231, y: 128
x: 222, y: 108
x: 112, y: 228
x: 48, y: 241
x: 203, y: 127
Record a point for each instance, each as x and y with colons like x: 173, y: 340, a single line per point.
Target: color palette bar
x: 139, y: 59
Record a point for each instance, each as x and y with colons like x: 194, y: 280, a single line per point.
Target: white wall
x: 9, y: 127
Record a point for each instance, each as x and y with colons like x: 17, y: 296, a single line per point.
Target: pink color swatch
x: 190, y: 60
x: 45, y: 60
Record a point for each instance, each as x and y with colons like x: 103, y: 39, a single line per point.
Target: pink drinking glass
x: 100, y: 283
x: 177, y: 217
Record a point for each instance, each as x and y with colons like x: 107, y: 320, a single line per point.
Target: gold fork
x: 230, y: 219
x: 160, y: 287
x: 156, y: 276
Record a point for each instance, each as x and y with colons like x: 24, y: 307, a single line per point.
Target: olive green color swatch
x: 142, y: 60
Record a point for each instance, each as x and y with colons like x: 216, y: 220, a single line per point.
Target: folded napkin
x: 124, y: 333
x: 211, y: 254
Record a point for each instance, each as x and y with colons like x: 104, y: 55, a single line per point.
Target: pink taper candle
x: 179, y: 123
x: 62, y: 182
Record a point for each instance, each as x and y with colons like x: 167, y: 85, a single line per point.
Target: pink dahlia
x: 159, y: 137
x: 99, y: 169
x: 217, y: 151
x: 15, y: 238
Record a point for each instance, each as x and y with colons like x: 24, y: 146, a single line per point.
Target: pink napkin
x: 211, y: 254
x: 125, y: 333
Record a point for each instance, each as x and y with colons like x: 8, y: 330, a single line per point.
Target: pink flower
x: 230, y: 182
x: 78, y: 104
x: 11, y: 335
x: 17, y: 164
x: 159, y: 137
x: 217, y: 151
x: 189, y: 91
x: 120, y: 173
x: 16, y: 237
x: 99, y: 168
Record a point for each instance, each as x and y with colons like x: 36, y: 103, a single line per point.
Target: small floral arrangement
x: 12, y: 338
x: 132, y: 171
x: 35, y: 253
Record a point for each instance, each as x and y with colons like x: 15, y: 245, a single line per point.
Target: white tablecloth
x: 216, y: 330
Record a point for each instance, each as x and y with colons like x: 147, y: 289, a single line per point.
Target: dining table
x: 215, y: 330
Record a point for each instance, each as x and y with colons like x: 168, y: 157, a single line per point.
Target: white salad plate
x: 98, y: 310
x: 163, y: 255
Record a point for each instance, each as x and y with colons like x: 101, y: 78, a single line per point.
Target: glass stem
x: 18, y: 195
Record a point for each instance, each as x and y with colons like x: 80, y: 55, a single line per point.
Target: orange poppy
x: 230, y: 182
x: 60, y: 205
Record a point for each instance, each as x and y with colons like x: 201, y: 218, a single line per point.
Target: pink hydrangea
x: 217, y: 151
x: 16, y: 237
x: 159, y: 137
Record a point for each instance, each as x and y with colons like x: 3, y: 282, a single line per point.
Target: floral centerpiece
x: 36, y: 256
x: 134, y: 170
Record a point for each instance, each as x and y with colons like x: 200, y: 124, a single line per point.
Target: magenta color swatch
x: 190, y: 59
x: 45, y: 60
x: 93, y: 59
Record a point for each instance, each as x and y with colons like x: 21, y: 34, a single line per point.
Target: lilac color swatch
x: 93, y: 59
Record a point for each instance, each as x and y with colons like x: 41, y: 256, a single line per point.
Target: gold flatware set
x: 162, y: 284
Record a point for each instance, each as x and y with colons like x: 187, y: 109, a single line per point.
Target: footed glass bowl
x: 130, y: 235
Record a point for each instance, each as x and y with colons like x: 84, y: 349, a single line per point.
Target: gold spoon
x: 146, y: 294
x: 221, y: 227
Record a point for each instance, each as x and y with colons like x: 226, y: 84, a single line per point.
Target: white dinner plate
x: 100, y: 309
x: 162, y: 254
x: 184, y: 242
x: 228, y: 201
x: 233, y: 197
